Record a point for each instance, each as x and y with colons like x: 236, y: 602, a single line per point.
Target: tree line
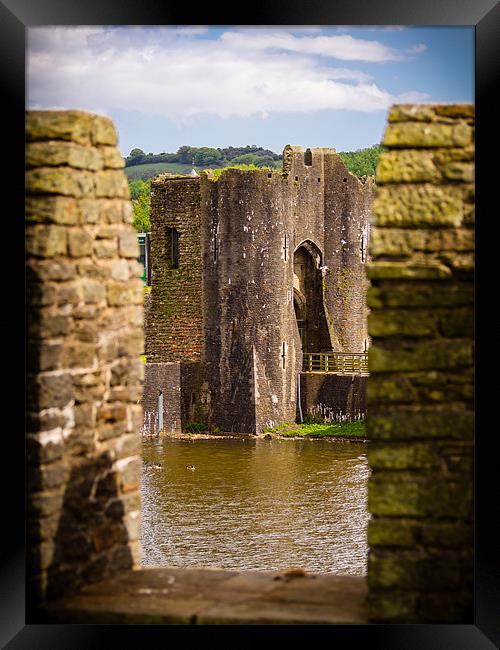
x: 362, y: 162
x: 208, y: 157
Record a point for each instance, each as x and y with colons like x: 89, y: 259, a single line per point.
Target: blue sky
x: 219, y: 86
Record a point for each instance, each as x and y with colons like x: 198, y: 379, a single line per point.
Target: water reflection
x: 255, y: 504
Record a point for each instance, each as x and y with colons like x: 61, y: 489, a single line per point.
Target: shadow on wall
x: 91, y: 540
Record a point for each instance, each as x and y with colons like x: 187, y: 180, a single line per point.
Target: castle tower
x: 249, y: 271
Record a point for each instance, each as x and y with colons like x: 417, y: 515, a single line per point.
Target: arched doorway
x: 308, y: 298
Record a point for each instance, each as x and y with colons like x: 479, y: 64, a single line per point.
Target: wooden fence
x: 344, y: 363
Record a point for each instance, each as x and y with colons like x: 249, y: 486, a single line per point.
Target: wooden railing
x: 344, y: 363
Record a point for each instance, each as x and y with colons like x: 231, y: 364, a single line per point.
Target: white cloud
x: 171, y: 73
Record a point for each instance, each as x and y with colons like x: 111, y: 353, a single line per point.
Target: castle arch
x: 308, y: 298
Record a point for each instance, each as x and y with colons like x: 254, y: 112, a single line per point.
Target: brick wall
x: 84, y: 373
x: 420, y: 392
x: 174, y: 319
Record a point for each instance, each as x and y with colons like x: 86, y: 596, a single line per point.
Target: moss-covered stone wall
x: 84, y: 341
x: 420, y: 391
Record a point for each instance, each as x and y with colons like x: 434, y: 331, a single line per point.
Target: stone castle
x: 251, y: 271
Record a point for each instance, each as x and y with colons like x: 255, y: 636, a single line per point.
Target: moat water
x: 255, y: 504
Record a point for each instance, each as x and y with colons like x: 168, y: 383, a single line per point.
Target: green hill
x: 149, y: 170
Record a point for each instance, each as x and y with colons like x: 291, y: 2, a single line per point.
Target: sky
x: 207, y: 86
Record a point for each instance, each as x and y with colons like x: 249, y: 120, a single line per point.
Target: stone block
x: 418, y: 134
x: 80, y: 243
x: 105, y: 248
x: 401, y: 242
x: 111, y: 183
x: 459, y: 171
x: 93, y: 292
x: 403, y: 323
x: 120, y: 270
x: 402, y: 455
x: 41, y: 270
x: 411, y: 113
x: 128, y: 244
x: 60, y: 180
x: 76, y: 354
x: 432, y: 354
x: 73, y: 126
x: 421, y: 270
x: 111, y: 158
x: 59, y: 210
x: 46, y: 477
x: 417, y: 205
x: 47, y: 390
x: 57, y: 153
x: 121, y: 293
x: 103, y: 131
x: 420, y: 294
x: 393, y: 606
x: 406, y: 167
x: 390, y: 423
x: 46, y: 241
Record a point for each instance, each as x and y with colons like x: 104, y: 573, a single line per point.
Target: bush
x: 317, y: 418
x: 195, y: 427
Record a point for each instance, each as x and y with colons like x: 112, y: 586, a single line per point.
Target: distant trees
x: 362, y: 162
x: 140, y: 193
x: 208, y: 156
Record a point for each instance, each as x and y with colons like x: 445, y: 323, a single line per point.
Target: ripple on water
x: 255, y: 506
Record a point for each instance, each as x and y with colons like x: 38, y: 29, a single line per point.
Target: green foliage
x: 215, y: 429
x: 204, y: 156
x: 254, y: 159
x: 362, y: 162
x: 138, y: 187
x: 356, y: 429
x: 215, y: 173
x: 148, y: 171
x: 317, y: 418
x: 195, y: 427
x: 278, y: 427
x: 135, y: 153
x: 140, y: 192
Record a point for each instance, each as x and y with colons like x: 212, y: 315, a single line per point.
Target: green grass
x: 148, y: 170
x: 356, y: 429
x: 217, y: 171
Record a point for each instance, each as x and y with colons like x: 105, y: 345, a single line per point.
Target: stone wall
x: 230, y: 304
x: 174, y: 324
x: 420, y: 392
x: 336, y: 398
x: 84, y: 374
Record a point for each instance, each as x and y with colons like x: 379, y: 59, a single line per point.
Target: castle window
x: 285, y: 246
x: 308, y: 158
x: 174, y: 248
x: 215, y: 247
x: 283, y: 355
x: 296, y: 178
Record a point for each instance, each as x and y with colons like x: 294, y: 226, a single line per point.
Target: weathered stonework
x: 420, y: 391
x: 84, y: 373
x: 256, y: 248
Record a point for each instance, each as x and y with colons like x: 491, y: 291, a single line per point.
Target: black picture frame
x: 18, y: 15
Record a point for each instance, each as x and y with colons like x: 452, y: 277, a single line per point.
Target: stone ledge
x: 204, y: 596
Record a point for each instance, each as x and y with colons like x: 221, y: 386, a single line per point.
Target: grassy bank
x: 355, y: 429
